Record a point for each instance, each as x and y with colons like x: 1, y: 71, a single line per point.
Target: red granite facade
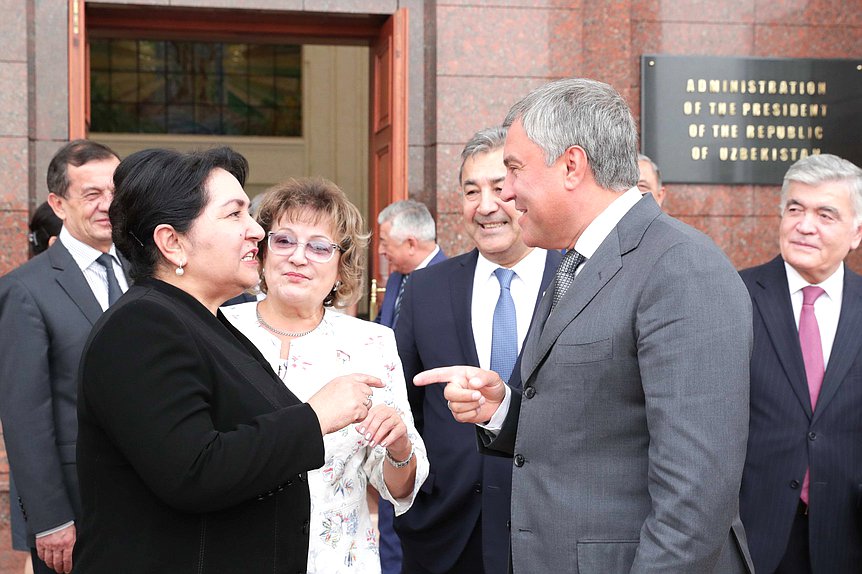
x: 501, y: 50
x: 469, y: 61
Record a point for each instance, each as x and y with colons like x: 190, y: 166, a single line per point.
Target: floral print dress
x: 342, y: 537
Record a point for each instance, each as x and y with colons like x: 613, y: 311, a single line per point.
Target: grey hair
x: 821, y: 168
x: 642, y: 157
x: 483, y: 141
x: 408, y: 218
x: 588, y: 114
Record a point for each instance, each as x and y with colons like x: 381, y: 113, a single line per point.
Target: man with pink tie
x: 801, y: 496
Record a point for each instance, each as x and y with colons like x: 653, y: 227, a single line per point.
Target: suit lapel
x: 72, y: 280
x: 773, y: 302
x: 595, y: 274
x: 461, y: 296
x: 847, y: 342
x: 124, y: 263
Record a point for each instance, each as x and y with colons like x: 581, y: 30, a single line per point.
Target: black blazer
x: 786, y: 437
x: 434, y: 330
x: 191, y: 452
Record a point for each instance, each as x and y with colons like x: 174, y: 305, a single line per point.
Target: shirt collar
x: 83, y: 254
x: 832, y: 285
x: 428, y: 259
x: 598, y: 230
x: 531, y: 265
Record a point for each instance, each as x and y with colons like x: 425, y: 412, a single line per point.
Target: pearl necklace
x: 269, y: 327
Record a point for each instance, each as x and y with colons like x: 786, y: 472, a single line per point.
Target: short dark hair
x: 75, y: 153
x: 162, y: 186
x: 483, y: 141
x: 43, y: 225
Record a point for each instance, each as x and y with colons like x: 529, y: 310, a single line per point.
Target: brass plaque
x: 746, y: 120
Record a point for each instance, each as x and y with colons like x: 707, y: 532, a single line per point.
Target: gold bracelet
x: 400, y: 463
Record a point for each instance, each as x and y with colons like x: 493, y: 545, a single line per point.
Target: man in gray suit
x: 47, y: 308
x: 629, y: 436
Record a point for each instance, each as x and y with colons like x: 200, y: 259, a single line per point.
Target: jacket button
x: 794, y: 484
x: 519, y: 460
x: 508, y: 525
x: 477, y: 488
x: 812, y: 435
x: 305, y: 527
x: 530, y: 392
x: 301, y: 477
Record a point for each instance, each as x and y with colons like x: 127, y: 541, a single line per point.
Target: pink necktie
x: 812, y: 355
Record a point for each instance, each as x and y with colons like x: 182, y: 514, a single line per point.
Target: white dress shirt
x: 827, y: 307
x: 424, y: 263
x: 96, y: 276
x: 587, y: 245
x: 486, y: 290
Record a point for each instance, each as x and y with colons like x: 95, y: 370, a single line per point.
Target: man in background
x: 650, y: 179
x: 474, y: 309
x: 47, y: 308
x: 801, y: 497
x: 408, y: 241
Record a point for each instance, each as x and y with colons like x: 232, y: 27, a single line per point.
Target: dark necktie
x: 398, y: 300
x: 812, y: 355
x: 565, y: 274
x: 504, y: 337
x: 114, y: 290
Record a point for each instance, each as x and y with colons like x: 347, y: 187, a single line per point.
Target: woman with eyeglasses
x: 192, y: 454
x: 312, y: 263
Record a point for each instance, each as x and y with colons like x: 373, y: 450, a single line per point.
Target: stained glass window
x: 175, y: 87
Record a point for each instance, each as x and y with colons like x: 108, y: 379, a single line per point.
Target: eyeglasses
x: 316, y: 250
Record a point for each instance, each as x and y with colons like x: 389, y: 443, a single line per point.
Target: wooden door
x: 79, y: 85
x: 388, y: 82
x: 387, y: 165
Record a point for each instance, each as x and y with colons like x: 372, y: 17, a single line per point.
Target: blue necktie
x: 114, y: 289
x: 504, y: 338
x: 398, y: 298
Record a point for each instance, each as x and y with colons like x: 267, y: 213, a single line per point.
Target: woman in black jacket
x: 192, y: 454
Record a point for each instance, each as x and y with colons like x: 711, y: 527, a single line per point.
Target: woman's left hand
x: 384, y: 426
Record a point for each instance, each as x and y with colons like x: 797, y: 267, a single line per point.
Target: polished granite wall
x: 470, y: 60
x: 490, y: 54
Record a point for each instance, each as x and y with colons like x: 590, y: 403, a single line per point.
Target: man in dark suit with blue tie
x: 47, y: 308
x: 801, y: 497
x: 408, y: 241
x: 473, y: 309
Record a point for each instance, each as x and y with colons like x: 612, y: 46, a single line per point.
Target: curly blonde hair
x: 319, y: 201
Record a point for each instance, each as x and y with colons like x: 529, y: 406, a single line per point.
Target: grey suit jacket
x: 629, y: 437
x: 47, y: 310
